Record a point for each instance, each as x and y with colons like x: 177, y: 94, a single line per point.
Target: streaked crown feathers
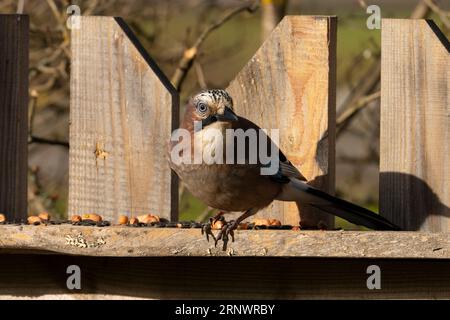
x: 215, y: 97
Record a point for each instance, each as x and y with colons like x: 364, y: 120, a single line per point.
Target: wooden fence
x: 123, y: 110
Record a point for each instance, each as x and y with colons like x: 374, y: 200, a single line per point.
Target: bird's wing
x: 305, y: 194
x: 287, y: 169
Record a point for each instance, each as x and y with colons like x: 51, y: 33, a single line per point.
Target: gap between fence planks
x: 123, y: 111
x: 14, y: 30
x: 289, y: 84
x: 415, y: 125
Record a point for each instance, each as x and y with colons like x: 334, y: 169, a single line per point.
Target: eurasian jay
x: 235, y: 186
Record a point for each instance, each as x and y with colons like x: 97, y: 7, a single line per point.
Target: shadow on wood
x: 415, y: 125
x: 404, y: 193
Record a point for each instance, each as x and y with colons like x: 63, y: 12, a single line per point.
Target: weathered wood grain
x: 415, y: 125
x: 44, y: 277
x: 122, y: 241
x: 289, y: 85
x: 13, y: 115
x: 123, y: 110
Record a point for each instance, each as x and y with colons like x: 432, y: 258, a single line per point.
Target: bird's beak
x: 227, y: 116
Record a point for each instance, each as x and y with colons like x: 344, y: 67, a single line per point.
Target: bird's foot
x: 224, y: 233
x: 207, y: 229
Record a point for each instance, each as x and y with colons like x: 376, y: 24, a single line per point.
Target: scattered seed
x: 196, y: 225
x: 262, y: 222
x: 133, y: 221
x: 123, y: 219
x: 275, y: 222
x: 171, y: 225
x: 103, y: 224
x: 160, y: 225
x: 44, y: 216
x: 243, y: 226
x: 218, y: 225
x: 148, y: 218
x: 75, y: 218
x: 91, y: 216
x: 34, y: 220
x: 88, y: 222
x: 185, y: 224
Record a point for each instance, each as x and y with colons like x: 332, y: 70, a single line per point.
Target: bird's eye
x: 202, y: 108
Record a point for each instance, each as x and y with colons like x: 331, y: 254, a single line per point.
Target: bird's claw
x: 207, y: 229
x: 224, y: 233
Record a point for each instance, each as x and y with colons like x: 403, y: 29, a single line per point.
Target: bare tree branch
x: 354, y: 103
x: 200, y: 75
x: 345, y: 117
x: 189, y: 55
x: 32, y: 112
x: 34, y: 139
x: 443, y: 15
x: 272, y: 11
x: 20, y: 5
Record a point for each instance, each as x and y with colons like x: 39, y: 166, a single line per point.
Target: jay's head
x: 212, y: 106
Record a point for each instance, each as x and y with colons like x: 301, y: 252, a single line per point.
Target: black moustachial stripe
x: 207, y: 121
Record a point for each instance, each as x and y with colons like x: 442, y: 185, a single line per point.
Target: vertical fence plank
x: 415, y: 125
x: 289, y: 85
x: 123, y: 110
x: 13, y: 115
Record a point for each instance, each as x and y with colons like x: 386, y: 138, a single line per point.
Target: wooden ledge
x: 118, y: 241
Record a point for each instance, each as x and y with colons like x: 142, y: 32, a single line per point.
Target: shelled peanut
x: 75, y: 218
x: 34, y: 220
x: 44, y: 216
x: 133, y: 221
x: 217, y: 225
x: 123, y: 220
x: 267, y: 222
x: 148, y: 218
x: 243, y: 226
x: 91, y: 216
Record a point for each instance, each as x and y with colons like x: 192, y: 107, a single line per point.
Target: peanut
x: 34, y: 220
x: 44, y: 216
x: 275, y: 222
x: 218, y: 225
x: 92, y: 216
x: 134, y: 221
x: 243, y: 226
x: 75, y: 218
x: 262, y: 222
x: 123, y: 219
x: 148, y: 218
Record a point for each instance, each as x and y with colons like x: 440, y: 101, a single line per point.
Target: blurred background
x: 213, y: 39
